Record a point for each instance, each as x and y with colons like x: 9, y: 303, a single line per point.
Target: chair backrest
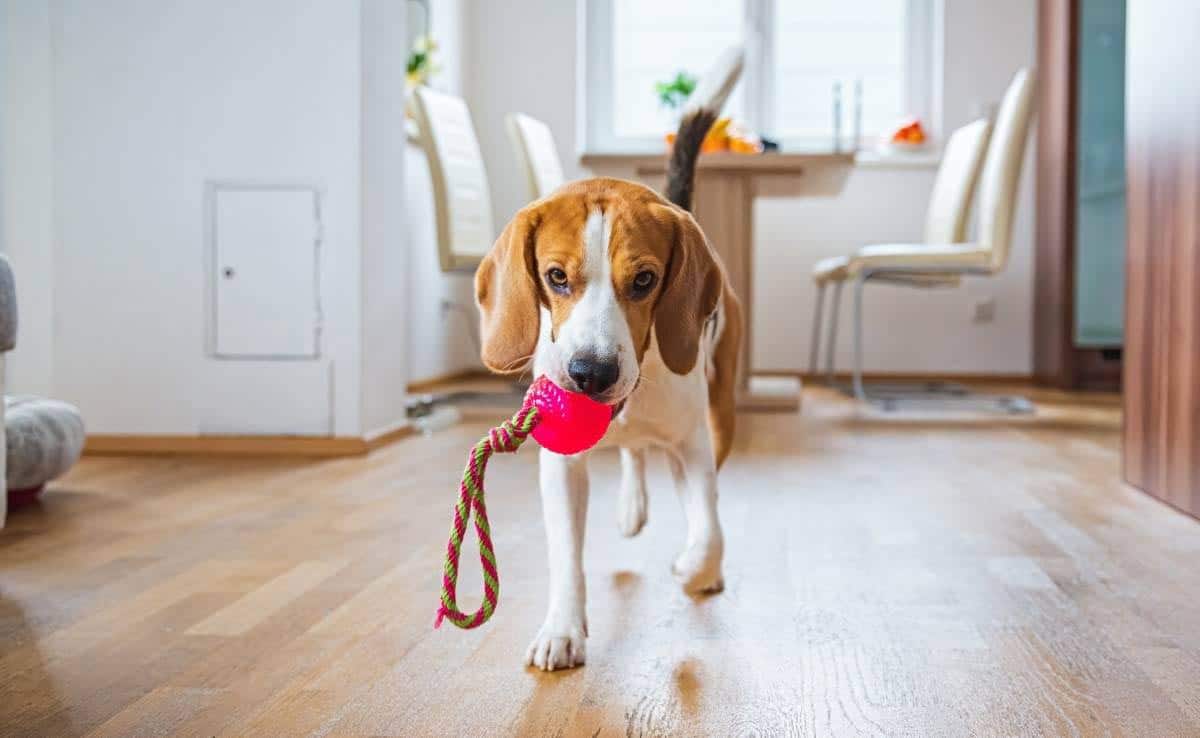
x: 954, y: 188
x: 460, y: 185
x: 1002, y: 169
x: 717, y: 83
x: 536, y: 153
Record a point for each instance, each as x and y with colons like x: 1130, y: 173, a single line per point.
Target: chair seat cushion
x: 907, y: 257
x: 916, y: 256
x: 832, y: 269
x: 918, y: 279
x: 44, y: 439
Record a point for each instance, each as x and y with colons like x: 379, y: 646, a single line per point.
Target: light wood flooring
x: 886, y: 576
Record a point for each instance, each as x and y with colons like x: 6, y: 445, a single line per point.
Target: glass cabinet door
x: 1100, y: 169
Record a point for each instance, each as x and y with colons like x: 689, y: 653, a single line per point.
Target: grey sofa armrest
x: 8, y: 339
x: 8, y: 306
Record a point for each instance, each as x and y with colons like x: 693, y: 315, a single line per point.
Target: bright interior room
x: 599, y: 367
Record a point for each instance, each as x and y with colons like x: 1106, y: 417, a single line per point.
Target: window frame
x: 595, y: 88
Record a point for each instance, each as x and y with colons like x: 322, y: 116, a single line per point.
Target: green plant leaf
x: 673, y: 92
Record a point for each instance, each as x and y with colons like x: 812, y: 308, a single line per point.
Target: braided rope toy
x: 561, y: 421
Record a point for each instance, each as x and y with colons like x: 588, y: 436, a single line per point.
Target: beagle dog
x: 609, y: 289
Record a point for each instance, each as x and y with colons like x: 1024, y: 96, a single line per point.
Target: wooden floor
x: 885, y: 576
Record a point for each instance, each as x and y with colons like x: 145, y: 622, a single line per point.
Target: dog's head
x: 597, y: 269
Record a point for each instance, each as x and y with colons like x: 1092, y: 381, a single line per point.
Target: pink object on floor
x: 568, y: 422
x: 21, y: 497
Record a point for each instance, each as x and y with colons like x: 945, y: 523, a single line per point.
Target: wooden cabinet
x: 1162, y: 322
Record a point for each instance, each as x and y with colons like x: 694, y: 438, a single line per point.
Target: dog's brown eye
x: 644, y: 282
x: 557, y: 278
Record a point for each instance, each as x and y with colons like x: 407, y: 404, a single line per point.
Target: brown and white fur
x: 565, y: 288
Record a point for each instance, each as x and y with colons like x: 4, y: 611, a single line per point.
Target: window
x: 652, y: 41
x: 797, y: 53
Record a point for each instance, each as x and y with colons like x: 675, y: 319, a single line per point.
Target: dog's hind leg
x: 698, y: 568
x: 631, y: 499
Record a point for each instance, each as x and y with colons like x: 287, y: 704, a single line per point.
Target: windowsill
x: 864, y: 159
x: 790, y: 162
x: 898, y: 160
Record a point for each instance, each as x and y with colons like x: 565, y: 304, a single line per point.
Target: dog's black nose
x: 591, y: 375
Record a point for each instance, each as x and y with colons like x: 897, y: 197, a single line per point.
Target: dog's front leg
x: 560, y: 642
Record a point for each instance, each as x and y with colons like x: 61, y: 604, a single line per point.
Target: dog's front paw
x: 698, y: 568
x: 560, y: 644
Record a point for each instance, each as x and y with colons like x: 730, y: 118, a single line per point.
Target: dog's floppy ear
x: 506, y: 292
x: 691, y: 290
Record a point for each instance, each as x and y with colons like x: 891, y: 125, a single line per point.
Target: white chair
x: 944, y: 259
x: 945, y: 222
x: 461, y: 195
x: 715, y: 86
x: 463, y: 212
x: 537, y: 154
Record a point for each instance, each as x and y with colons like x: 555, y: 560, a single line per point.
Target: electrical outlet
x: 984, y: 310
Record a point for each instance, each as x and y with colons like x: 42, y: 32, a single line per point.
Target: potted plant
x: 422, y: 62
x: 673, y: 92
x: 724, y: 134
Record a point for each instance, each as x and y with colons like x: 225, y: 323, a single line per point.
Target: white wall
x: 26, y: 188
x: 440, y: 341
x: 524, y: 58
x: 149, y: 100
x: 448, y: 25
x: 153, y: 99
x: 385, y: 245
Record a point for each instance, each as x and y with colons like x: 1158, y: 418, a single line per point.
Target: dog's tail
x: 681, y: 172
x: 704, y: 105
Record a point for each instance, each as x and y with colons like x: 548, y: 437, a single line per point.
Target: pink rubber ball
x: 568, y: 422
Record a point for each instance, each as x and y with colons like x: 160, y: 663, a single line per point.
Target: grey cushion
x: 8, y: 307
x: 45, y: 437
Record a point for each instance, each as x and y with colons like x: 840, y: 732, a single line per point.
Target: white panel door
x: 265, y: 273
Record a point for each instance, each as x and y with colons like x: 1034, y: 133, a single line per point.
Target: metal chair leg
x: 891, y: 398
x: 859, y: 392
x: 814, y: 351
x: 833, y: 327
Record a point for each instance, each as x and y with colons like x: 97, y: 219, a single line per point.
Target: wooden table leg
x: 724, y: 207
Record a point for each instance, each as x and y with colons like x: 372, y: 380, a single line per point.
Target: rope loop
x: 504, y: 438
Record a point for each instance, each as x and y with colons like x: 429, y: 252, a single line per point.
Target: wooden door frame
x: 1057, y: 361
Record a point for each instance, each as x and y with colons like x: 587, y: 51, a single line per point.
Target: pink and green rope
x: 505, y: 438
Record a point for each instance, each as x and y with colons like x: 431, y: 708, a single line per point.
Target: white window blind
x: 820, y: 43
x: 652, y: 41
x: 796, y: 50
